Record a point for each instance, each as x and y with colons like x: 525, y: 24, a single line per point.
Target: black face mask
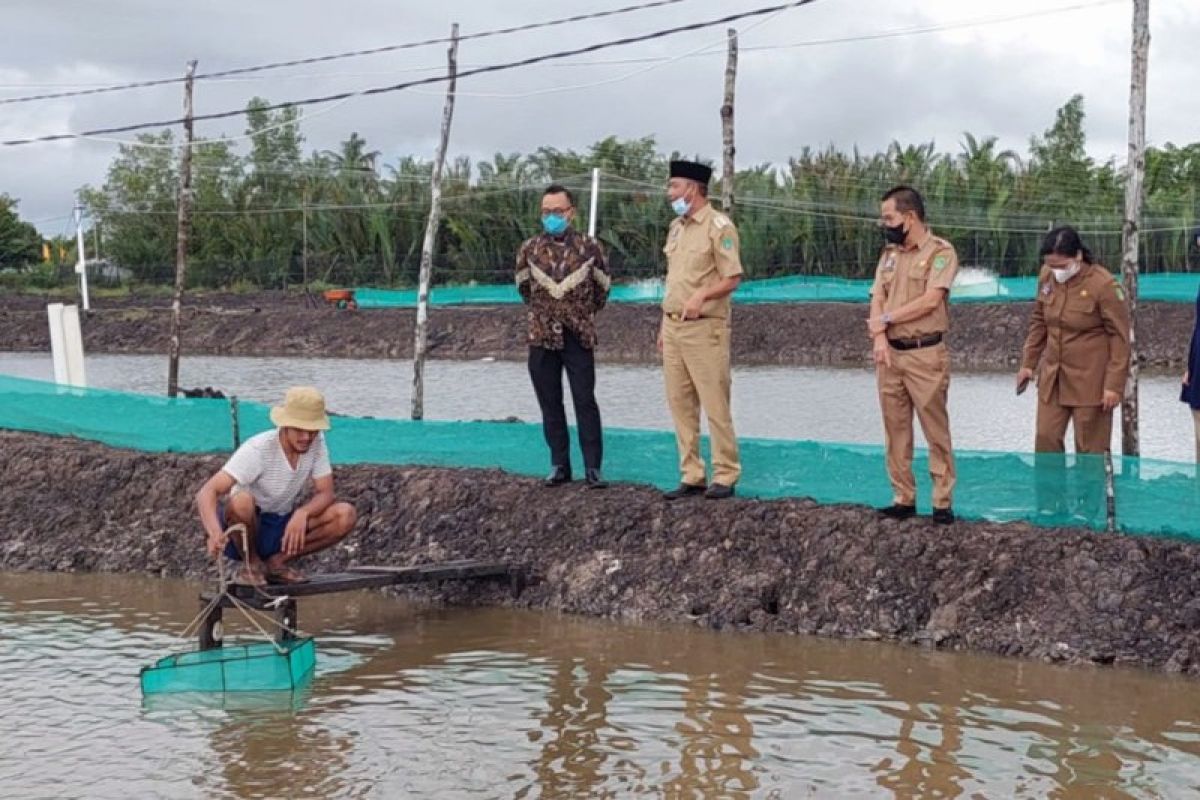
x: 895, y: 235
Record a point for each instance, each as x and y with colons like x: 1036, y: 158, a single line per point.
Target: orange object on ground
x: 338, y: 295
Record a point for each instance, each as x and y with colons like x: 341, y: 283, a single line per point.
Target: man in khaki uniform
x: 703, y: 269
x: 909, y: 318
x: 1080, y: 333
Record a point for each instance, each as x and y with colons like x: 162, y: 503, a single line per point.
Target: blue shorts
x: 269, y: 539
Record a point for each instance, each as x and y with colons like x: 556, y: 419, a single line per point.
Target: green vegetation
x: 274, y: 217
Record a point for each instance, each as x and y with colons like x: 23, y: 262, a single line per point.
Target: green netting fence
x: 972, y: 288
x: 1152, y: 497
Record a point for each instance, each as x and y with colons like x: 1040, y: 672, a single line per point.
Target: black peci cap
x: 693, y: 171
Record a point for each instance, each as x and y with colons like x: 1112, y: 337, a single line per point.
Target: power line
x: 349, y: 54
x: 712, y: 50
x: 426, y: 81
x: 613, y: 79
x: 938, y: 28
x: 510, y: 96
x: 239, y: 74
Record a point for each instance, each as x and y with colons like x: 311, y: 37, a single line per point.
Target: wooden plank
x: 461, y: 570
x: 457, y: 562
x: 328, y: 584
x: 317, y: 584
x: 369, y: 577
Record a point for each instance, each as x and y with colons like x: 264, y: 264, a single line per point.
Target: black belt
x: 674, y: 317
x: 916, y: 344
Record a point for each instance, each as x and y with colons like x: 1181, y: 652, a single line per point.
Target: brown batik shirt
x: 565, y: 281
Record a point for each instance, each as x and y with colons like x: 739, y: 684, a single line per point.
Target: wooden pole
x: 304, y: 235
x: 727, y: 123
x: 431, y: 229
x: 1134, y: 177
x: 184, y: 228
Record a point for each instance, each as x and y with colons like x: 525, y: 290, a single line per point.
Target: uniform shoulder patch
x: 1119, y: 289
x: 727, y: 243
x: 940, y: 261
x: 721, y: 221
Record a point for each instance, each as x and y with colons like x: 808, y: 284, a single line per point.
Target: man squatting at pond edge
x: 262, y: 483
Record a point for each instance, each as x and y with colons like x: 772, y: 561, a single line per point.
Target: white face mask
x: 1065, y: 274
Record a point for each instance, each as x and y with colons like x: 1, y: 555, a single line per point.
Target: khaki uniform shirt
x: 702, y: 249
x: 904, y: 274
x: 1080, y: 332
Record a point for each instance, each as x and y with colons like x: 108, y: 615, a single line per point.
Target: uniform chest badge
x: 889, y: 263
x: 1083, y: 293
x: 1046, y: 289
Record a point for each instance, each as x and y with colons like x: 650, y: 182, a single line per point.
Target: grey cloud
x: 914, y: 89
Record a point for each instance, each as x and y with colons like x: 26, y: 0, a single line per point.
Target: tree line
x: 274, y: 216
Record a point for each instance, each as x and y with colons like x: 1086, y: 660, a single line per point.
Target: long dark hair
x: 1065, y: 241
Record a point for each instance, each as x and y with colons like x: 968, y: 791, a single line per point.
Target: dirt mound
x: 787, y: 566
x: 983, y: 336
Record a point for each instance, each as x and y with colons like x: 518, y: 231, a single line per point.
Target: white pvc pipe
x: 595, y: 199
x: 73, y: 341
x: 54, y: 312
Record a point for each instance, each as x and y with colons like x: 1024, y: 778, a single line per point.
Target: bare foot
x: 279, y: 572
x: 251, y: 575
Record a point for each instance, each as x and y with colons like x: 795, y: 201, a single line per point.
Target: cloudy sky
x: 980, y: 72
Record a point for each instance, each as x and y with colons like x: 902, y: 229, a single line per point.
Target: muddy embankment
x: 781, y: 566
x: 984, y: 336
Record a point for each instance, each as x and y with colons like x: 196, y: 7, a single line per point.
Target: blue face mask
x: 554, y: 224
x: 680, y: 206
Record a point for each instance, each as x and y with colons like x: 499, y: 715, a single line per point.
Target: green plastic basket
x: 255, y: 667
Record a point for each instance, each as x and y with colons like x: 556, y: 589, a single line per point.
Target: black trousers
x: 546, y: 369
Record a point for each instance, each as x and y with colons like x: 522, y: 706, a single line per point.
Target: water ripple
x: 492, y: 703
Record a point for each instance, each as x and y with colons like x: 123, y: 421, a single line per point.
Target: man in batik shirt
x: 563, y: 277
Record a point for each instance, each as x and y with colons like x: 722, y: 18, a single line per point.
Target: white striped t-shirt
x: 260, y: 467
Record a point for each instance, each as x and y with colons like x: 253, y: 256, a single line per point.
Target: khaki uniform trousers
x: 1092, y: 426
x: 918, y: 380
x: 696, y: 375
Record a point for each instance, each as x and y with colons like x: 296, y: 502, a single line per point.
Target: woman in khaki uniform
x: 1079, y: 332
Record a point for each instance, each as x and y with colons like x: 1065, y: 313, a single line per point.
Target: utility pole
x: 1134, y: 177
x: 420, y: 342
x: 184, y: 228
x: 727, y: 123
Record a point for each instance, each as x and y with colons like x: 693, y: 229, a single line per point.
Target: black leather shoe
x: 718, y: 491
x: 943, y: 516
x: 594, y: 480
x: 558, y: 476
x: 684, y: 490
x: 898, y: 511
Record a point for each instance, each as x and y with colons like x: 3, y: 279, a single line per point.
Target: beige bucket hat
x: 304, y: 408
